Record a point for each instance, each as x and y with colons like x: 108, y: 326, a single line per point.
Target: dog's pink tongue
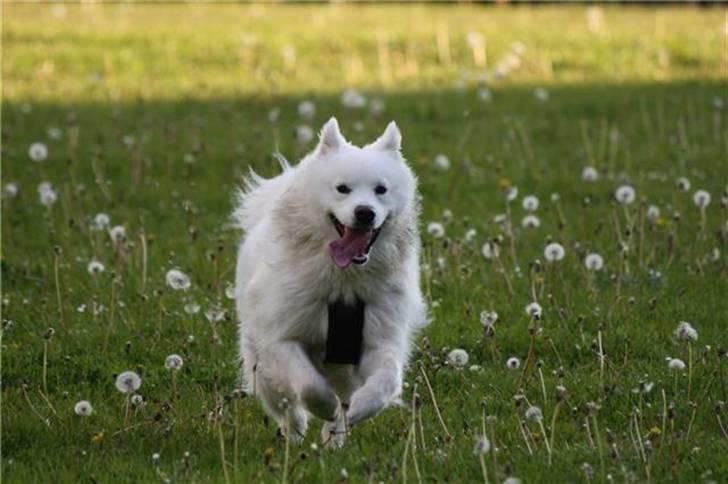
x: 353, y: 243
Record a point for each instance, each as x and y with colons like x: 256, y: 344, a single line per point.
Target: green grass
x: 636, y: 99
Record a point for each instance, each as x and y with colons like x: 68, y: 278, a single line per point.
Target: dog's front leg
x: 383, y: 382
x: 285, y: 368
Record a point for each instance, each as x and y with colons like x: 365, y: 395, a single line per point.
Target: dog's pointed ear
x: 331, y: 138
x: 391, y: 139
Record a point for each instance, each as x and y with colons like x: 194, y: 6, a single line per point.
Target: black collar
x: 345, y: 333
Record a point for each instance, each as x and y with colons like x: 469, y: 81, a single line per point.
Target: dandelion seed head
x: 488, y: 318
x: 351, y: 98
x: 511, y: 193
x: 173, y: 362
x: 683, y: 184
x: 128, y: 382
x: 686, y: 332
x: 458, y: 358
x: 10, y: 190
x: 83, y: 408
x: 701, y: 198
x: 304, y: 134
x: 95, y: 267
x: 534, y: 413
x: 625, y: 194
x: 192, y: 308
x: 178, y: 280
x: 38, y: 152
x: 117, y: 234
x: 436, y: 229
x: 594, y: 262
x: 100, y: 222
x: 530, y: 203
x: 554, y: 252
x: 653, y: 212
x: 589, y: 174
x: 530, y: 221
x: 675, y: 364
x: 137, y: 400
x: 482, y: 445
x: 490, y: 249
x: 442, y: 162
x: 513, y: 363
x: 534, y: 310
x: 307, y: 110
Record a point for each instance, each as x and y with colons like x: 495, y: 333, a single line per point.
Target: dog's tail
x: 257, y: 194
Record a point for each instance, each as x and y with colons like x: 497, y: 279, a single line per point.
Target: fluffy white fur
x: 286, y: 279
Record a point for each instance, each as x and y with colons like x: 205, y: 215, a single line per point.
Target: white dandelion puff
x: 304, y: 134
x: 490, y: 250
x: 686, y: 332
x: 10, y: 190
x: 513, y: 363
x: 351, y: 98
x: 137, y: 400
x: 482, y: 445
x: 95, y: 267
x: 534, y: 413
x: 534, y: 310
x: 100, y: 222
x: 675, y: 364
x: 589, y: 174
x: 83, y: 408
x: 376, y: 106
x: 511, y: 193
x: 47, y: 194
x: 530, y: 203
x: 625, y: 194
x: 458, y: 358
x: 554, y: 252
x: 128, y: 382
x: 701, y: 198
x: 178, y: 280
x: 683, y: 184
x: 541, y: 94
x: 442, y: 162
x: 488, y: 318
x: 173, y: 362
x: 531, y: 221
x: 307, y: 110
x: 117, y: 234
x: 38, y: 152
x: 436, y: 229
x: 653, y: 212
x: 594, y: 262
x: 192, y: 308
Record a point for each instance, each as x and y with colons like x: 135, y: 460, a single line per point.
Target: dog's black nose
x: 364, y: 214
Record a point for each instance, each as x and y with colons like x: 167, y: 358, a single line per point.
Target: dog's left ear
x: 391, y: 139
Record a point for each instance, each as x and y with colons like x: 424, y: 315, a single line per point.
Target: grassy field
x: 151, y: 115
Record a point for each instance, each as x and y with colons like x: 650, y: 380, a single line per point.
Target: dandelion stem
x: 144, y: 261
x: 45, y: 365
x: 58, y: 287
x: 434, y: 402
x: 554, y: 416
x: 600, y: 447
x: 222, y: 452
x: 543, y: 386
x: 483, y: 468
x: 545, y: 438
x: 601, y: 359
x: 690, y: 369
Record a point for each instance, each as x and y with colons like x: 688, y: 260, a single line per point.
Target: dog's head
x: 359, y: 191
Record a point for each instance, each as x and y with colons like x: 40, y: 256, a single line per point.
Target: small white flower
x: 530, y: 203
x: 352, y: 98
x: 482, y: 445
x: 376, y: 106
x: 10, y: 190
x: 513, y: 363
x: 594, y: 262
x: 307, y: 110
x: 38, y: 152
x: 304, y: 134
x: 128, y: 382
x: 554, y: 252
x: 173, y: 362
x: 137, y: 400
x: 511, y: 193
x: 675, y: 364
x: 442, y: 162
x: 117, y: 234
x: 100, y: 222
x: 47, y: 194
x: 534, y: 310
x: 541, y: 94
x: 83, y: 408
x: 589, y: 174
x: 490, y: 250
x: 653, y: 211
x: 458, y: 358
x: 95, y: 267
x: 531, y: 221
x: 685, y: 332
x: 488, y: 318
x: 701, y: 198
x: 683, y: 184
x: 192, y: 308
x: 625, y: 194
x: 178, y: 280
x: 436, y: 229
x: 534, y: 413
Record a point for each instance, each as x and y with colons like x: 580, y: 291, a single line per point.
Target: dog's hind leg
x: 286, y: 372
x: 383, y: 375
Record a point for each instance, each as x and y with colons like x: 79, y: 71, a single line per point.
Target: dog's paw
x: 333, y: 434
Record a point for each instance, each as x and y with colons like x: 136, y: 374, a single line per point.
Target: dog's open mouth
x: 353, y: 244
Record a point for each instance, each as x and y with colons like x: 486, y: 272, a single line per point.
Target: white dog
x: 327, y: 283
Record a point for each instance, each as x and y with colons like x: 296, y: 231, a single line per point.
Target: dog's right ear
x: 331, y: 138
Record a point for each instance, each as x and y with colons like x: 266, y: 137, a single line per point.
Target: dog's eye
x: 380, y: 190
x: 343, y: 189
